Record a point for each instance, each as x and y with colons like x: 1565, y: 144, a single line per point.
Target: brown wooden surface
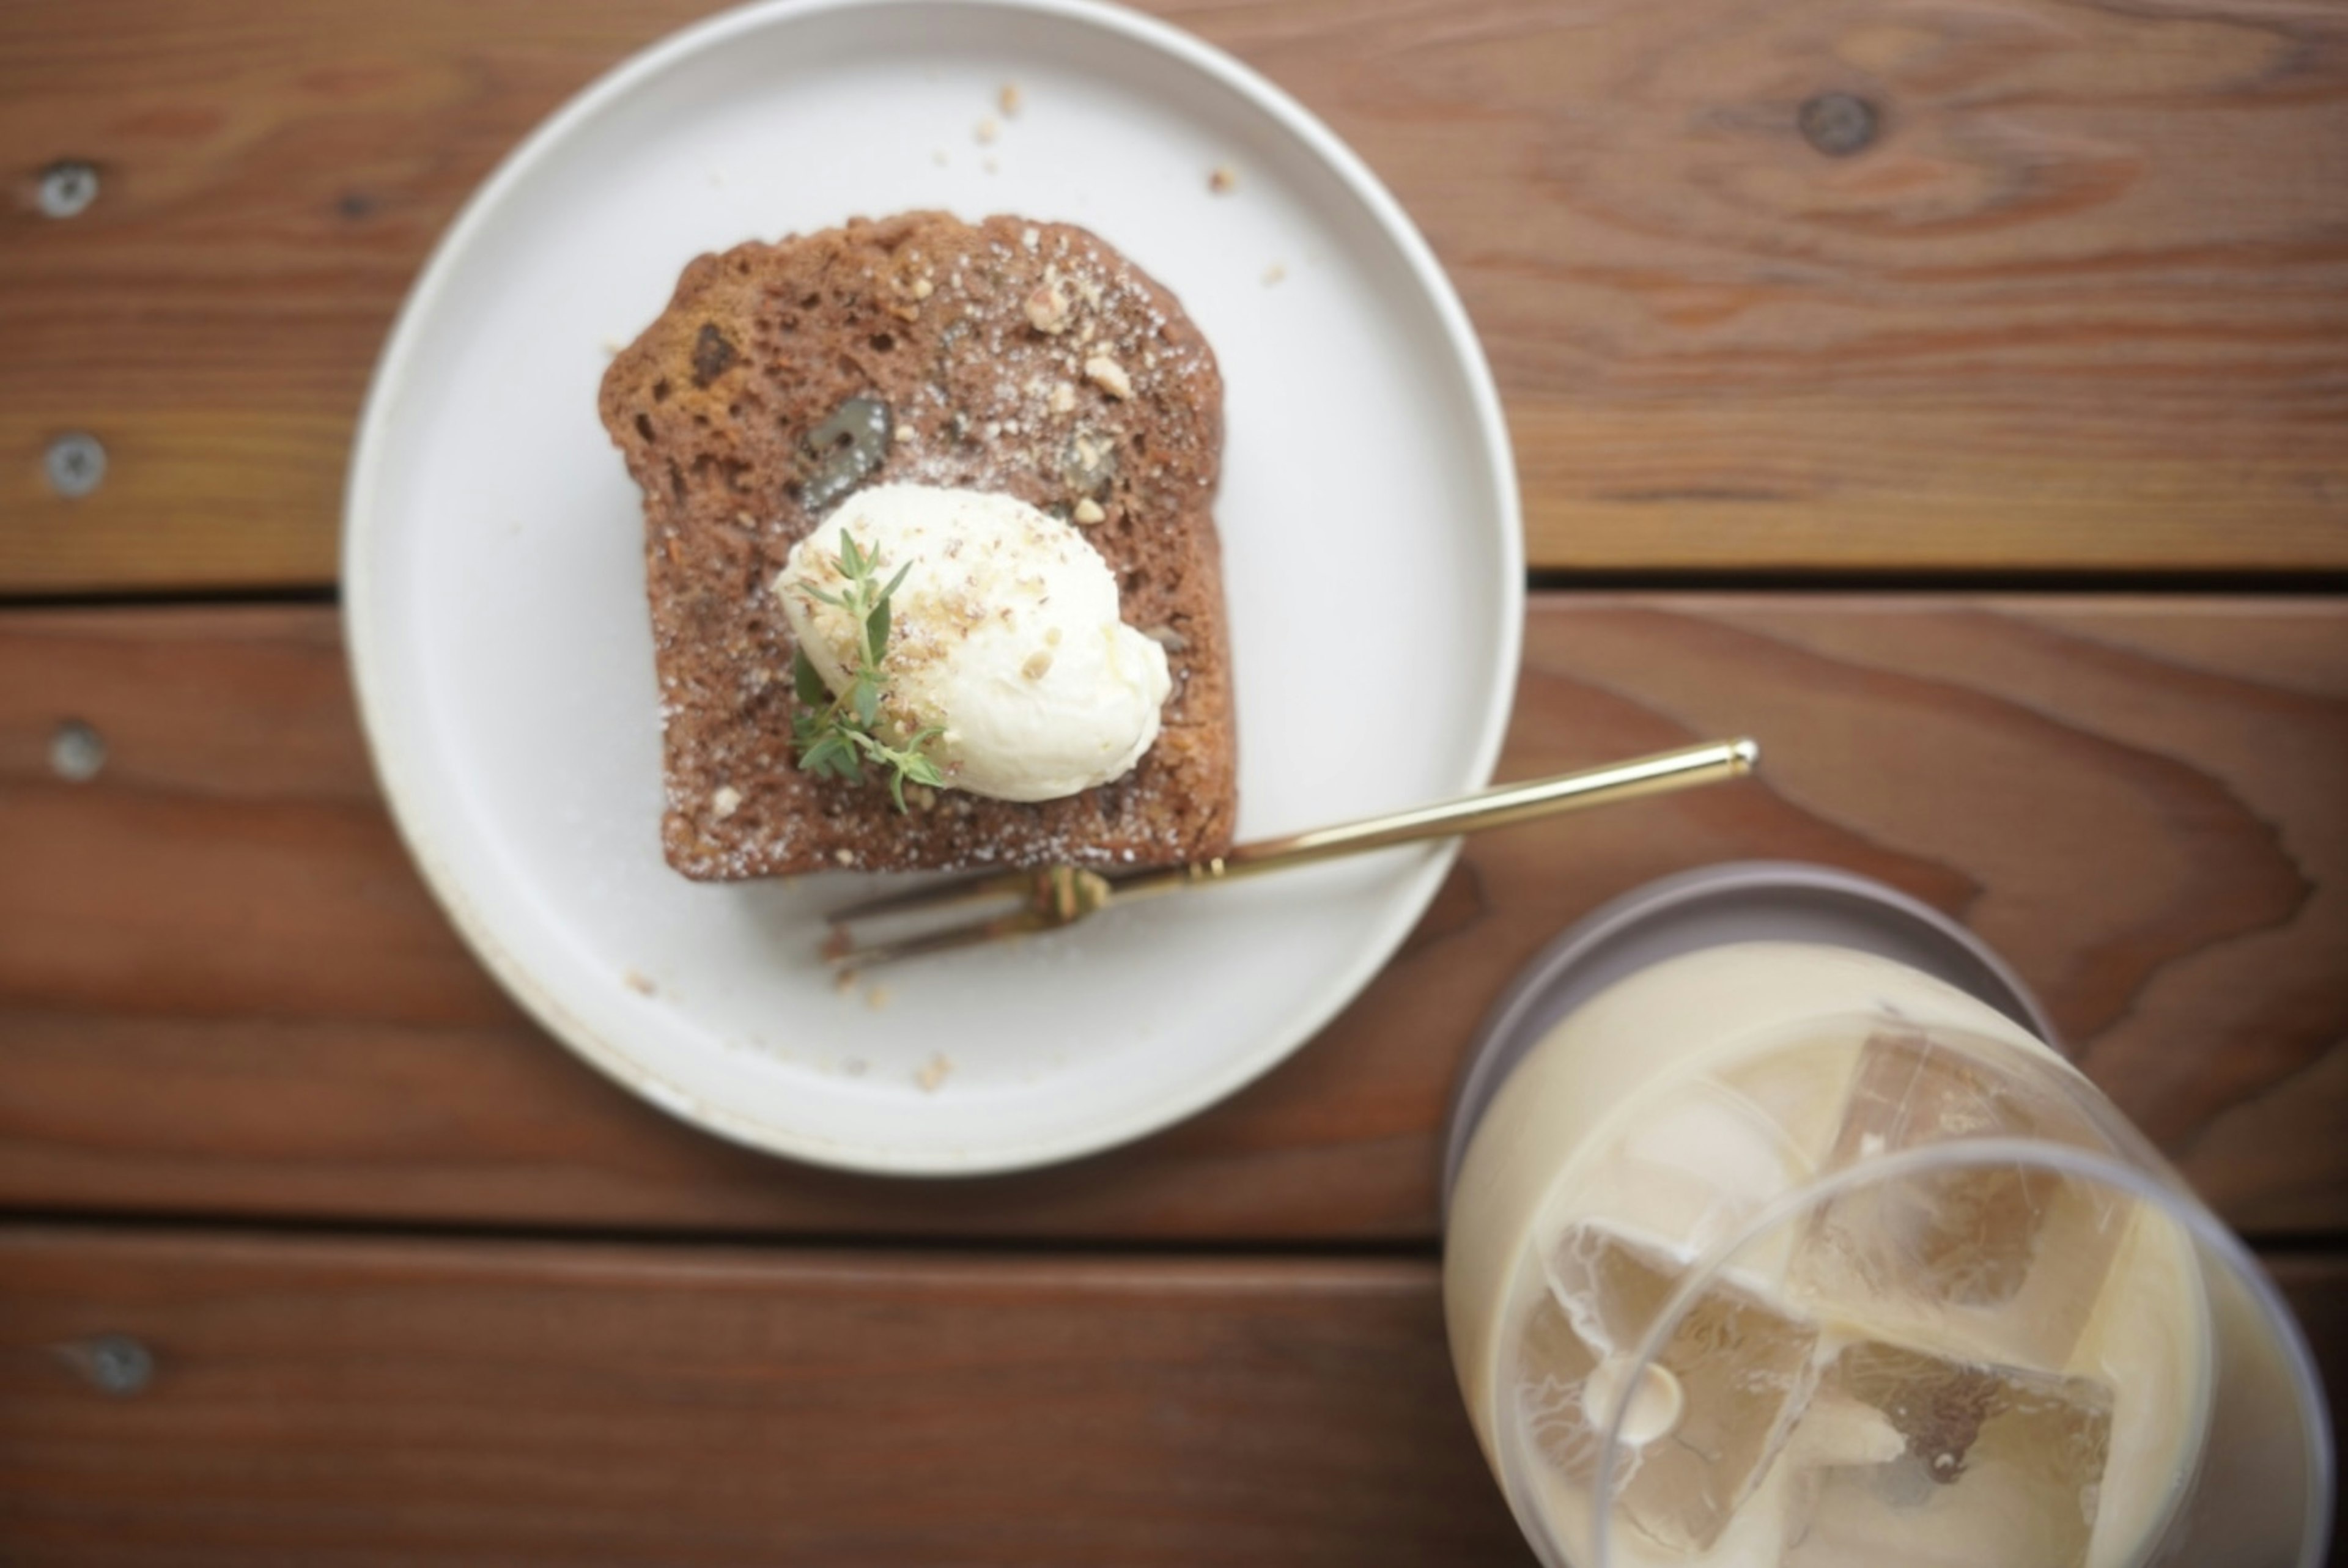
x: 2081, y: 306
x: 224, y: 991
x: 2316, y: 1285
x: 2083, y: 303
x: 340, y: 1402
x: 344, y: 1403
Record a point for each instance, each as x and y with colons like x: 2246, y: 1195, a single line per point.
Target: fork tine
x: 1021, y: 923
x: 963, y: 890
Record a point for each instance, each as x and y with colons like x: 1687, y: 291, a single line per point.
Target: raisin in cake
x: 1025, y: 358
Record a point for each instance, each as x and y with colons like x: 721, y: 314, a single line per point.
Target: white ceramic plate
x: 494, y: 582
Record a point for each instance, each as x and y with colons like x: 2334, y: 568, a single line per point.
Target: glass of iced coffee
x: 1813, y: 1254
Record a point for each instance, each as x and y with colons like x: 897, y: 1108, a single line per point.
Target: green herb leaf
x: 834, y: 734
x: 823, y: 754
x: 837, y: 758
x: 807, y: 682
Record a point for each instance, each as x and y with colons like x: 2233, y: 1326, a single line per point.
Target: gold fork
x: 1045, y: 897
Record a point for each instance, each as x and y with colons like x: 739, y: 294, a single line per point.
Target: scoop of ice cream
x: 1004, y: 634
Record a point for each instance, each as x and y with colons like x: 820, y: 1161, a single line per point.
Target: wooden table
x: 1984, y: 448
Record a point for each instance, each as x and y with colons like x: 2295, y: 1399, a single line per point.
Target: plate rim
x: 537, y: 998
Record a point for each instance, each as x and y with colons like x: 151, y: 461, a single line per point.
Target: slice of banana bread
x: 1027, y: 358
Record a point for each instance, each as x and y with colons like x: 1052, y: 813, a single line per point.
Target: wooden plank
x: 222, y: 991
x: 2316, y: 1285
x: 374, y: 1403
x: 2082, y: 303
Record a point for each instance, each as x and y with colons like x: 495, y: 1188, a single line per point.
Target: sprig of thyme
x: 834, y: 735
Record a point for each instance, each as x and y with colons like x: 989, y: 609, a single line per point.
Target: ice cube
x: 1992, y: 1467
x: 1553, y: 1365
x: 2005, y: 1259
x: 1704, y: 1421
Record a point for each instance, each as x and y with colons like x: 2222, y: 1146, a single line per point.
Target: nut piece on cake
x: 784, y: 380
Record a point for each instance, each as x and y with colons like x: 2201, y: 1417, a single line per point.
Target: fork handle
x: 1498, y: 807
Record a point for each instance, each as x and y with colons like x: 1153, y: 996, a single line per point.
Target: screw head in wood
x: 1837, y: 124
x: 76, y: 752
x: 76, y: 464
x: 67, y: 188
x: 114, y: 1364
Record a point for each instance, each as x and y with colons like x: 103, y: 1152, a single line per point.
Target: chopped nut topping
x: 639, y: 982
x: 1031, y: 238
x: 921, y: 796
x: 1108, y: 375
x: 901, y: 434
x: 1047, y: 307
x: 1165, y: 637
x: 1038, y: 666
x: 1088, y: 511
x: 725, y: 801
x: 1223, y: 181
x: 984, y: 131
x: 923, y: 288
x: 1008, y: 101
x: 1064, y: 397
x: 844, y: 855
x: 932, y: 1073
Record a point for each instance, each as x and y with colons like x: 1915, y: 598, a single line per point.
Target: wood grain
x: 223, y: 991
x: 376, y: 1403
x: 385, y: 1401
x: 2083, y: 303
x: 2315, y: 1284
